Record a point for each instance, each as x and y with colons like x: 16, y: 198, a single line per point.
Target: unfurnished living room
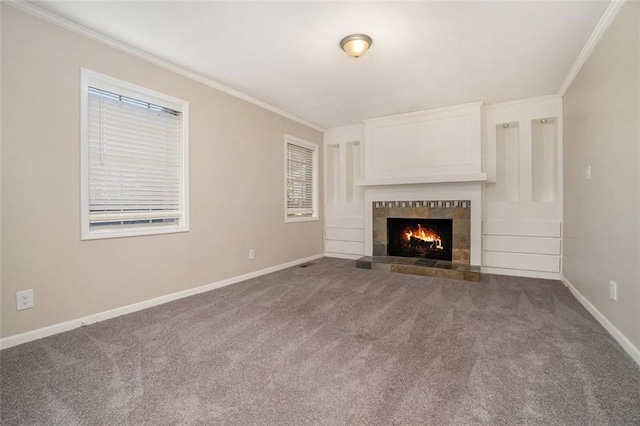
x: 310, y: 212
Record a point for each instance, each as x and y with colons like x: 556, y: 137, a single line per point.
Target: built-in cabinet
x: 344, y: 200
x: 503, y: 158
x: 522, y: 215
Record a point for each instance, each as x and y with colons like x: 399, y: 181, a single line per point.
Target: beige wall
x: 236, y: 185
x: 601, y: 216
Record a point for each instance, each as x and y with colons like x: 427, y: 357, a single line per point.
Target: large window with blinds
x: 301, y: 180
x: 134, y: 160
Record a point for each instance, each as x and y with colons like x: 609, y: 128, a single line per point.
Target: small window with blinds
x: 133, y: 160
x: 301, y: 180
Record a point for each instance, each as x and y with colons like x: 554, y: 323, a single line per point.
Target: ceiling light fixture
x: 356, y: 45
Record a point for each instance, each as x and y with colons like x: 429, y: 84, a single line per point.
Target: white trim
x: 101, y: 81
x: 526, y: 101
x: 343, y: 256
x: 125, y: 88
x: 288, y: 139
x: 40, y: 333
x: 626, y: 344
x: 86, y: 32
x: 301, y: 219
x: 603, y: 25
x: 132, y: 232
x: 409, y: 180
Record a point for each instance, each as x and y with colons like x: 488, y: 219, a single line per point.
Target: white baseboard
x: 40, y: 333
x: 344, y: 256
x: 626, y: 344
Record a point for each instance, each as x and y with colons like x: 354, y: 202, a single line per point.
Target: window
x: 133, y: 160
x: 301, y: 180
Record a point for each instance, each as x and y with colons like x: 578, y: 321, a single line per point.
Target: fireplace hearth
x: 424, y: 238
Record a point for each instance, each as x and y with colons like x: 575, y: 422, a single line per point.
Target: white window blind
x: 301, y: 180
x: 134, y: 160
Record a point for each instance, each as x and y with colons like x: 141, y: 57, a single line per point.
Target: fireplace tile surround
x: 458, y: 210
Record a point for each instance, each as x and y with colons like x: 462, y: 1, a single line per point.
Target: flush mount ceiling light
x: 356, y: 45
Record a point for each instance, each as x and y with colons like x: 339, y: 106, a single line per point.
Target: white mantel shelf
x: 469, y: 177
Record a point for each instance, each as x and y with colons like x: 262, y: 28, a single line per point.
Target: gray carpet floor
x: 332, y: 344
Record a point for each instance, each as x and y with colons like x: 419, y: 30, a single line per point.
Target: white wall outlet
x: 24, y: 299
x: 252, y: 254
x: 587, y: 173
x: 613, y: 290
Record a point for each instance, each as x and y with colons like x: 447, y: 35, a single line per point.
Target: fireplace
x: 423, y: 237
x: 449, y: 219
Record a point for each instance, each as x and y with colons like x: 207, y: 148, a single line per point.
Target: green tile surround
x: 423, y: 267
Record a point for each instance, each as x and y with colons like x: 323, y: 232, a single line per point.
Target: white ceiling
x: 424, y: 54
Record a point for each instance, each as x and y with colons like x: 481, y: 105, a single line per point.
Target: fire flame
x: 425, y: 235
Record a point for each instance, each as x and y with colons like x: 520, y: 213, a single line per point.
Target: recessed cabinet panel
x: 522, y: 228
x: 527, y: 245
x: 430, y: 143
x: 333, y: 173
x: 435, y: 142
x: 345, y: 247
x: 530, y: 262
x: 355, y: 193
x: 544, y: 159
x: 506, y: 187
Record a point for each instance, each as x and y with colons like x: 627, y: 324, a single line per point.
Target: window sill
x: 132, y: 232
x: 300, y: 219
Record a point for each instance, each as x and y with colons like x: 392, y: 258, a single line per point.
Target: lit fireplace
x: 425, y: 238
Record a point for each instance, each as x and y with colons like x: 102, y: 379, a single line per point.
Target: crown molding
x: 86, y: 32
x: 545, y: 98
x: 603, y: 25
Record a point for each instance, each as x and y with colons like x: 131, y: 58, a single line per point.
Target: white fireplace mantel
x: 467, y: 177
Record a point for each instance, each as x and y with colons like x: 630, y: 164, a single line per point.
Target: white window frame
x: 288, y: 139
x: 101, y: 81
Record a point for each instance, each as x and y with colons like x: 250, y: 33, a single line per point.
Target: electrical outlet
x: 24, y: 299
x: 613, y: 290
x: 587, y: 173
x: 252, y: 254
